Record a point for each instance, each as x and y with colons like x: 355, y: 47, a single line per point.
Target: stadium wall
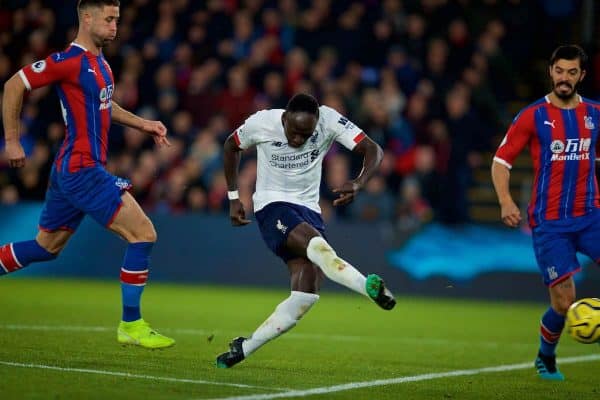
x: 206, y: 249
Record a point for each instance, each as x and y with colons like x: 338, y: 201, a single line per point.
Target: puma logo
x: 550, y: 123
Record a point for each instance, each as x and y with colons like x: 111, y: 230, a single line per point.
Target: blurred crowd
x: 434, y: 82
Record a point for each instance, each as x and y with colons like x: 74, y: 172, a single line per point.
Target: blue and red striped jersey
x: 85, y: 85
x: 562, y: 143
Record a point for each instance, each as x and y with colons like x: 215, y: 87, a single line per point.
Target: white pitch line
x: 291, y: 335
x: 404, y: 379
x: 136, y: 376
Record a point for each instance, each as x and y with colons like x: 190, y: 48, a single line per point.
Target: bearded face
x: 566, y: 76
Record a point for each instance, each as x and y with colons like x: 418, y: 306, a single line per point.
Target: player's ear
x: 283, y: 118
x: 582, y: 75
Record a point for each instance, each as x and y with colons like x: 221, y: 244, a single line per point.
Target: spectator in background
x: 465, y: 133
x: 237, y: 100
x: 206, y: 66
x: 374, y: 204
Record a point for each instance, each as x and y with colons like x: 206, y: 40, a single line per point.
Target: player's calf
x: 134, y: 275
x: 17, y: 255
x: 335, y: 268
x: 285, y: 317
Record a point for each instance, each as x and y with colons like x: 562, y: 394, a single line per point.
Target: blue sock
x: 14, y: 256
x: 551, y: 327
x: 134, y: 275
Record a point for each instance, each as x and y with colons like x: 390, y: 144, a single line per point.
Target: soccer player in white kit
x: 291, y: 145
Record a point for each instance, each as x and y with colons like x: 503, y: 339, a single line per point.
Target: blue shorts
x: 71, y: 196
x: 276, y: 221
x: 556, y: 251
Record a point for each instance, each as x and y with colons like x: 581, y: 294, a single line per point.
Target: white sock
x: 285, y: 317
x: 335, y: 268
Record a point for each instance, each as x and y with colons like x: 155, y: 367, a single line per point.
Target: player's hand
x: 511, y: 215
x: 237, y: 213
x: 15, y: 154
x: 158, y: 132
x: 346, y: 193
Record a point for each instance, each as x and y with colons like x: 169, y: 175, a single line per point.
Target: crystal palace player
x: 291, y: 145
x: 561, y: 130
x: 79, y: 184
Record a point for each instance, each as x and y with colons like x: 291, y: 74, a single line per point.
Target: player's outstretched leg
x: 134, y: 274
x: 285, y: 317
x: 14, y: 256
x: 342, y: 272
x: 551, y: 327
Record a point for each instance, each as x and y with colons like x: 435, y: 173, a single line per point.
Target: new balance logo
x: 550, y: 123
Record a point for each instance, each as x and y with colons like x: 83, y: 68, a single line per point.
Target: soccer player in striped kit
x: 79, y: 183
x: 291, y: 145
x: 561, y: 130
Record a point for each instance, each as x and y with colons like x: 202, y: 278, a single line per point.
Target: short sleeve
x: 517, y: 137
x: 44, y: 72
x: 250, y: 132
x: 343, y: 130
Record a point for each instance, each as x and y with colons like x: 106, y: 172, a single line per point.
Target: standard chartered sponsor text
x: 291, y: 161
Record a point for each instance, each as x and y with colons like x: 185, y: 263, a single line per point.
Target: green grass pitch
x: 58, y: 341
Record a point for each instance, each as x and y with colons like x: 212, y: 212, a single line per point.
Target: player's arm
x: 516, y: 138
x: 154, y: 128
x: 12, y: 102
x: 372, y: 156
x: 510, y: 213
x: 232, y: 153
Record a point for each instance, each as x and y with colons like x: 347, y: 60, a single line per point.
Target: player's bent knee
x: 52, y: 248
x: 564, y: 305
x: 150, y: 233
x: 145, y: 232
x: 53, y: 243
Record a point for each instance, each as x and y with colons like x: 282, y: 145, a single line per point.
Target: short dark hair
x: 303, y: 102
x: 81, y: 4
x: 569, y: 52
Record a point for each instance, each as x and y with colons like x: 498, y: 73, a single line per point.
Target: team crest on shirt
x: 588, y: 122
x: 313, y: 140
x: 38, y: 66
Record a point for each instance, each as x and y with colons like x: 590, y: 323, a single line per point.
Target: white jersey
x: 292, y: 174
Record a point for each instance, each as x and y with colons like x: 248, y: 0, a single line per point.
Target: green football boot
x: 139, y: 333
x: 377, y: 291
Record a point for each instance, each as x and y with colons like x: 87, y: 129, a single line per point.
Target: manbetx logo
x: 573, y: 149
